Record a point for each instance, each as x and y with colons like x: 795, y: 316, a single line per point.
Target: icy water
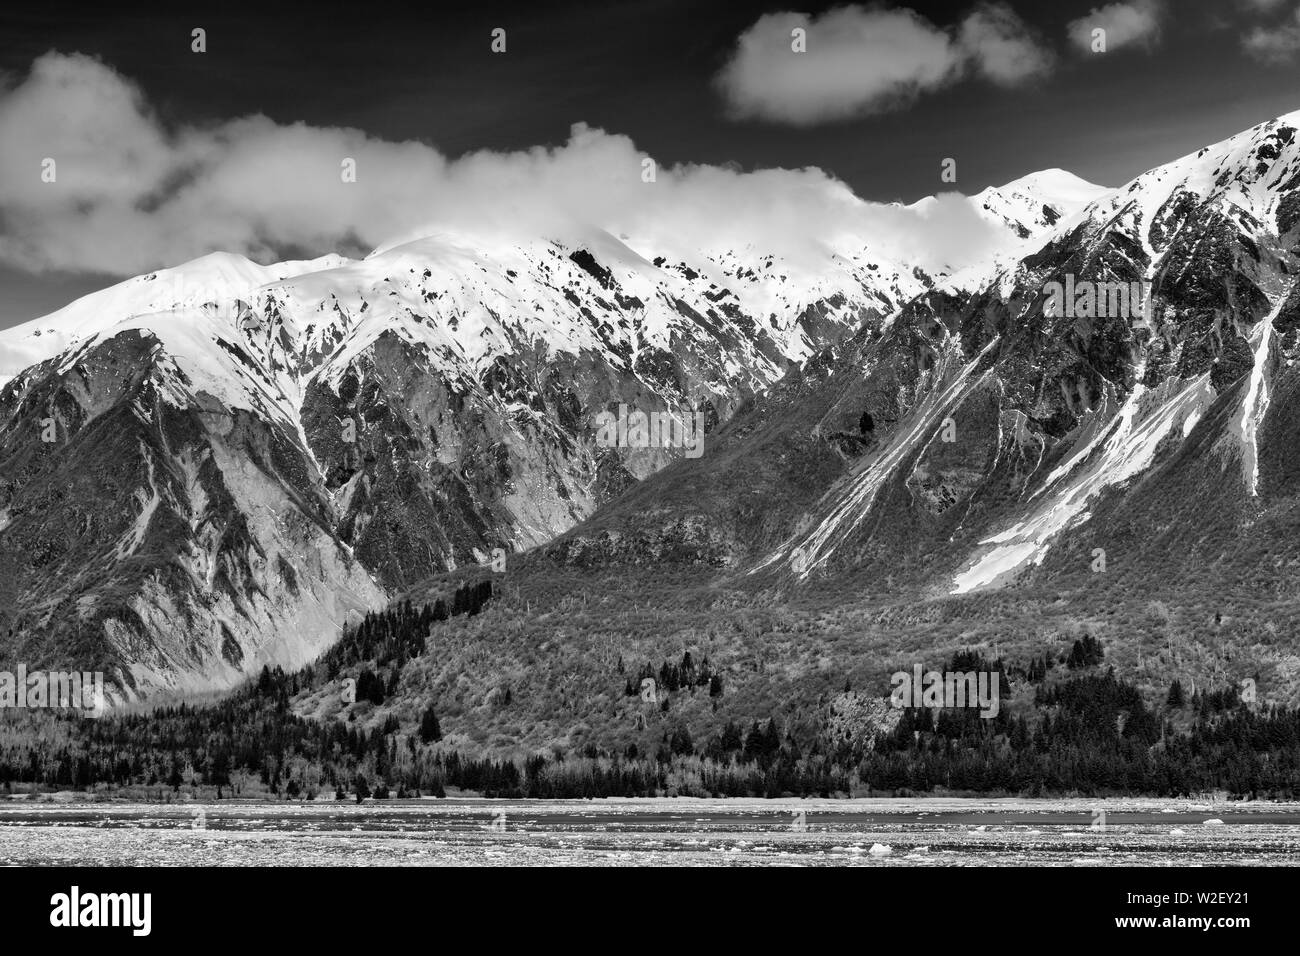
x: 641, y: 832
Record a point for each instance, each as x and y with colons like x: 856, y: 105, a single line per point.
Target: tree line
x: 1085, y: 731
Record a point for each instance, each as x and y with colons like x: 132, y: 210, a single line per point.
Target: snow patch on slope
x: 1255, y: 405
x: 852, y: 507
x: 1124, y: 449
x: 219, y: 277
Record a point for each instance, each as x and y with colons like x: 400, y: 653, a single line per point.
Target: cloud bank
x: 131, y: 195
x: 862, y: 60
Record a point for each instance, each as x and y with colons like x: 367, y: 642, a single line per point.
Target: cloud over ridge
x: 132, y: 195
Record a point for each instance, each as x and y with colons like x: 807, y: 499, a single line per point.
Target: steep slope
x: 1082, y: 402
x: 1010, y: 449
x: 212, y: 467
x: 981, y: 470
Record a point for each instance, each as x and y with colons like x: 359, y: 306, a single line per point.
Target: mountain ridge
x: 343, y: 428
x: 432, y: 403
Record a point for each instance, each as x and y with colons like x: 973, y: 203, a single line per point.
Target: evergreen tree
x: 1176, y: 696
x: 430, y: 731
x: 1085, y: 652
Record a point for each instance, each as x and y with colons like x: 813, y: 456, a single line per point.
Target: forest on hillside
x: 1089, y: 733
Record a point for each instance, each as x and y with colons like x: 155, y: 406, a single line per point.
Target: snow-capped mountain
x: 212, y: 467
x: 397, y: 415
x: 1022, y: 212
x: 1012, y: 441
x: 1049, y: 412
x: 1032, y: 204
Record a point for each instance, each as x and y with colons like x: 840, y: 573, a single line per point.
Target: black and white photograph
x: 651, y: 434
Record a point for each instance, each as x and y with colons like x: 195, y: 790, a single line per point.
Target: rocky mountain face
x: 214, y: 467
x: 1107, y: 424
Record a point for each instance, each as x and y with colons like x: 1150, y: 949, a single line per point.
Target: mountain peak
x: 1055, y: 186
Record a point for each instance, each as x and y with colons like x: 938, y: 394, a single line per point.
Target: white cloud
x: 1135, y: 23
x: 863, y: 60
x: 132, y: 194
x: 1275, y: 45
x: 1001, y: 47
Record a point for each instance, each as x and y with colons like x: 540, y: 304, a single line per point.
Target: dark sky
x: 645, y: 69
